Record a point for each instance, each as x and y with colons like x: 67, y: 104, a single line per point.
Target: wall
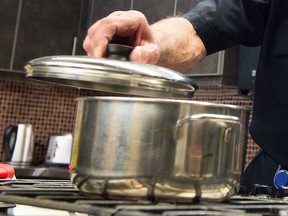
x: 154, y: 10
x: 51, y: 109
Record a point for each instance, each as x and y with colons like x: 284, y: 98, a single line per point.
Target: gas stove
x: 59, y: 197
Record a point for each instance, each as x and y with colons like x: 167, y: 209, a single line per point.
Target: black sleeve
x: 224, y: 23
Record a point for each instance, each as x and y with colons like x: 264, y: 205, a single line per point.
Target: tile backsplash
x: 50, y: 109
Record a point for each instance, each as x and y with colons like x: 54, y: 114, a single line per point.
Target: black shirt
x: 224, y: 23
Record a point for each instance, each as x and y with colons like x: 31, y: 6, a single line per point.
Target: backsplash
x: 51, y: 109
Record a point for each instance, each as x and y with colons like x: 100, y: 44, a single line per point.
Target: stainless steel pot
x: 163, y: 149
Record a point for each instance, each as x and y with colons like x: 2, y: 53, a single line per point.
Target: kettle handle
x: 8, y: 146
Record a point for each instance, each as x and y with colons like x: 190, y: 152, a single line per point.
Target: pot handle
x: 211, y: 117
x: 9, y: 132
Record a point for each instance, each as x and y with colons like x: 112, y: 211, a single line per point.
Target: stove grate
x: 61, y: 195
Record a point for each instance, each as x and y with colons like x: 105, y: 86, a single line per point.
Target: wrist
x: 180, y: 47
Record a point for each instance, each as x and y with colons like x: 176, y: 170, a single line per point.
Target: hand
x: 128, y: 27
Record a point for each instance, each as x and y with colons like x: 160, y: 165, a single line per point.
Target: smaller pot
x: 59, y: 149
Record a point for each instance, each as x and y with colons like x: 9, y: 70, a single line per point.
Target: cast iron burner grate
x: 61, y: 195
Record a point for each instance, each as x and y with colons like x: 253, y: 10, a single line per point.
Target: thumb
x: 145, y: 54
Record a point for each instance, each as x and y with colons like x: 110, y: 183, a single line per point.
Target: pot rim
x: 162, y: 100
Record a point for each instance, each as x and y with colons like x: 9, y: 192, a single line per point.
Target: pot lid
x: 112, y: 74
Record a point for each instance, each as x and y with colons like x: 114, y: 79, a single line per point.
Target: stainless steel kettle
x: 18, y: 143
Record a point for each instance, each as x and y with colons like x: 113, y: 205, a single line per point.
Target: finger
x: 94, y: 48
x: 87, y: 46
x: 120, y: 24
x: 148, y: 53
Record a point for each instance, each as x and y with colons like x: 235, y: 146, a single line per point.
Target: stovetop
x: 52, y: 195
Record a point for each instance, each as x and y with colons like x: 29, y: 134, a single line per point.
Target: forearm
x: 180, y: 48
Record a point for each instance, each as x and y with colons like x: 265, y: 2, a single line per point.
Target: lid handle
x: 118, y: 51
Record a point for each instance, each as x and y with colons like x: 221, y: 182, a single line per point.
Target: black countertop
x: 42, y: 171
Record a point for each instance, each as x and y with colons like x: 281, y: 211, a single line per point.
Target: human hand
x: 125, y: 27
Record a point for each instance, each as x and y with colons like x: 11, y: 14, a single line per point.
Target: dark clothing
x: 261, y: 170
x: 224, y: 23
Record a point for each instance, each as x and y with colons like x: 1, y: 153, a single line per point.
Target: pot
x: 147, y: 148
x: 163, y: 149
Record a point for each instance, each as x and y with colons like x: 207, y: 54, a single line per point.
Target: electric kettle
x: 18, y: 143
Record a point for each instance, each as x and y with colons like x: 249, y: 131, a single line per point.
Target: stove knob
x: 281, y: 179
x: 282, y: 193
x: 242, y: 191
x: 261, y: 190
